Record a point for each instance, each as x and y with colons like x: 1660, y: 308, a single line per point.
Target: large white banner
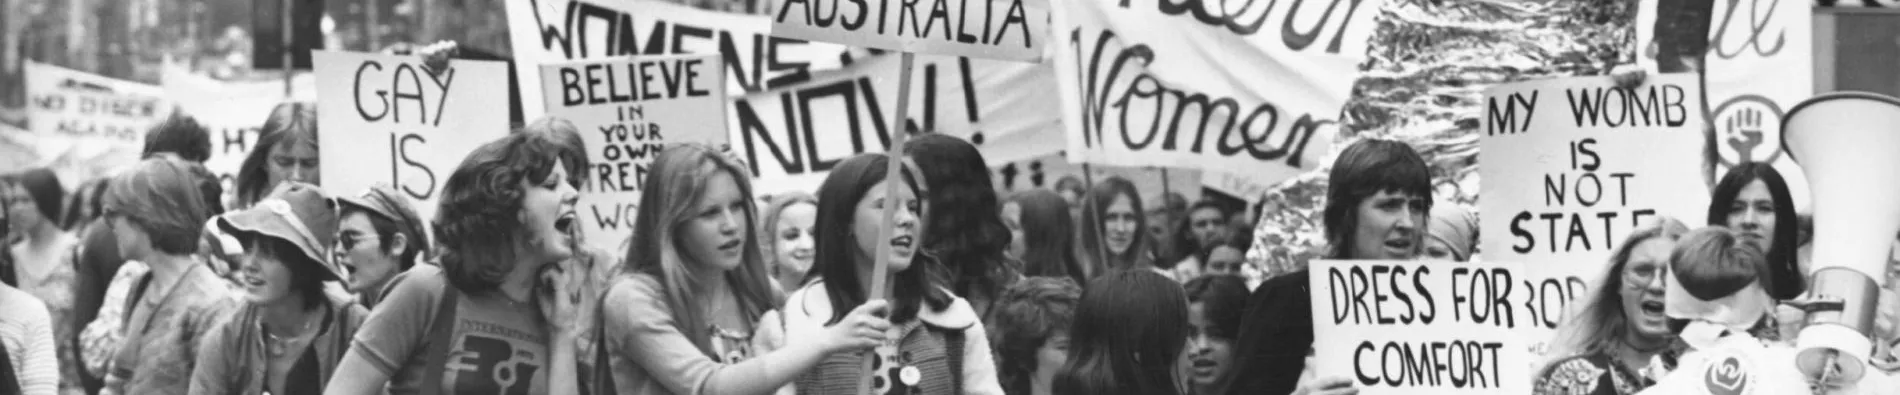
x: 234, y: 113
x: 1759, y: 64
x: 84, y: 124
x: 1412, y: 327
x: 1572, y: 166
x: 628, y: 110
x: 1253, y: 87
x: 990, y: 29
x: 385, y: 119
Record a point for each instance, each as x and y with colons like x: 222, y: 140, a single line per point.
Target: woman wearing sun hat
x: 288, y: 335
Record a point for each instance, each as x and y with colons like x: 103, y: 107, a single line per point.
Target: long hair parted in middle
x: 1048, y: 236
x: 477, y: 222
x: 1130, y: 328
x: 836, y: 258
x: 1785, y: 278
x: 289, y: 123
x: 676, y: 183
x: 1094, y: 219
x: 1597, y: 322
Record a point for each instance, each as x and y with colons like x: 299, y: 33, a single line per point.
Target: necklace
x: 277, y: 346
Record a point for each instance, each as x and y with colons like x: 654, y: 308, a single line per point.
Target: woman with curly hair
x: 498, y: 314
x: 962, y: 229
x: 1031, y: 334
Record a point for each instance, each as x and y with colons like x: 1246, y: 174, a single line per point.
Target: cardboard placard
x: 1401, y: 327
x: 628, y: 110
x: 1193, y: 84
x: 85, y: 125
x: 993, y: 29
x: 386, y: 119
x: 1572, y: 166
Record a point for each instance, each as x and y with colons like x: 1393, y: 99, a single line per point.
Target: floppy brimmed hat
x: 297, y: 213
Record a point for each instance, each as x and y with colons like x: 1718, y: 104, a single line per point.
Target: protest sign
x: 1400, y: 327
x: 547, y: 31
x: 1046, y: 170
x: 1572, y: 166
x: 86, y: 124
x: 792, y: 136
x: 1191, y: 84
x: 1759, y: 63
x: 233, y: 112
x: 992, y: 29
x: 627, y: 110
x: 388, y: 120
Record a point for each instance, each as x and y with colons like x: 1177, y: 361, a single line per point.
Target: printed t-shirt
x: 498, y: 346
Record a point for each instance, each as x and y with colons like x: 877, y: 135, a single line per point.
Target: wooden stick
x: 893, y: 179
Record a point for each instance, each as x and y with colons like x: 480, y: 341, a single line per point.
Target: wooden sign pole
x: 893, y: 179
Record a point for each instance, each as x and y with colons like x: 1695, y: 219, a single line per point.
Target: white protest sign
x: 550, y: 31
x: 793, y: 135
x: 1759, y: 63
x: 1402, y: 327
x: 87, y: 124
x: 233, y: 112
x: 1572, y: 166
x: 993, y: 29
x: 385, y: 119
x: 627, y: 110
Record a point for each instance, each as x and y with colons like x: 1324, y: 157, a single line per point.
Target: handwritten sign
x: 1198, y: 83
x: 995, y: 29
x: 627, y: 110
x: 1400, y: 327
x: 88, y: 124
x: 1573, y: 165
x: 232, y: 112
x: 1758, y: 65
x: 386, y: 119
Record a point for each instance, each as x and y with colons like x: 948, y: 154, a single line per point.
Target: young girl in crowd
x: 937, y: 344
x: 1031, y: 335
x: 1377, y: 199
x: 788, y: 224
x: 288, y: 335
x: 1215, y: 305
x: 962, y: 231
x: 286, y: 150
x: 1608, y: 342
x: 680, y: 318
x: 43, y: 257
x: 1113, y: 230
x: 157, y: 212
x: 1452, y: 233
x: 1754, y: 200
x: 378, y: 236
x: 498, y: 315
x: 1130, y: 330
x: 28, y: 361
x: 1043, y: 235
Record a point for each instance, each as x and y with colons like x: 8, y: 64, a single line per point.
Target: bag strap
x: 603, y: 369
x: 441, y: 334
x: 953, y: 343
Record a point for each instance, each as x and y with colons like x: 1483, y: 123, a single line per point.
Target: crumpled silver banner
x: 1423, y: 83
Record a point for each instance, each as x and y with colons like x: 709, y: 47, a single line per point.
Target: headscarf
x: 1455, y: 226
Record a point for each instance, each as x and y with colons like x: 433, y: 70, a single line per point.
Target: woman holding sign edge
x: 680, y: 317
x: 499, y: 298
x: 936, y: 344
x: 1377, y: 201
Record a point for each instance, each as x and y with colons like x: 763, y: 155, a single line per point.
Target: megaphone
x: 1848, y: 145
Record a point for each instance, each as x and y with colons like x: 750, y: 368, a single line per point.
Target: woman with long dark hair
x: 1216, y: 303
x: 1131, y: 328
x: 1044, y: 235
x: 499, y: 313
x: 681, y: 316
x: 1114, y: 230
x: 964, y: 234
x: 286, y: 150
x: 28, y: 359
x: 938, y: 344
x: 1754, y: 200
x: 1616, y: 329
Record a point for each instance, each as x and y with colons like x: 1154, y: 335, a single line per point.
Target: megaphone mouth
x: 1822, y: 99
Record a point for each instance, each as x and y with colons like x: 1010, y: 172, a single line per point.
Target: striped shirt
x: 27, y: 331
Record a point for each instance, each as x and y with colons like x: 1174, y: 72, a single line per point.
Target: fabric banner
x: 1759, y: 64
x: 991, y: 29
x: 792, y: 136
x: 86, y: 125
x: 388, y: 120
x: 1254, y: 88
x: 1572, y: 166
x: 627, y: 110
x: 234, y: 112
x: 548, y: 31
x: 1400, y: 327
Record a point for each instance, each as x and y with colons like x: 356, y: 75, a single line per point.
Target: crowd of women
x: 154, y: 282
